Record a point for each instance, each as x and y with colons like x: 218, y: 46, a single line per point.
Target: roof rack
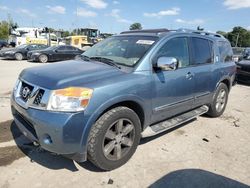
x: 200, y: 32
x: 153, y: 31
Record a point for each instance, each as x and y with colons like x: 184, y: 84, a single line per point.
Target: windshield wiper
x: 105, y: 60
x: 84, y: 57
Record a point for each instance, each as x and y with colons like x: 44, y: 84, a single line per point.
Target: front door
x: 60, y: 53
x: 173, y: 89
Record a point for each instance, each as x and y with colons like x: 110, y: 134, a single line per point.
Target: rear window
x: 226, y: 52
x: 202, y: 52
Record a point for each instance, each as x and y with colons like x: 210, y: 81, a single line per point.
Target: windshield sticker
x: 148, y: 42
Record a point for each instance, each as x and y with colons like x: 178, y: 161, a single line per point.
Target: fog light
x: 47, y: 139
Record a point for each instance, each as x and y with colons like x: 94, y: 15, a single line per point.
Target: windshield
x: 22, y: 46
x: 123, y: 50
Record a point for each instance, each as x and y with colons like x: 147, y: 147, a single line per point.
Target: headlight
x: 70, y: 99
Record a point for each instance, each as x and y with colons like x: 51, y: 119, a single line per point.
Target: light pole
x: 237, y: 39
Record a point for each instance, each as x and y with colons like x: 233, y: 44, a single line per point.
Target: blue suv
x: 132, y: 85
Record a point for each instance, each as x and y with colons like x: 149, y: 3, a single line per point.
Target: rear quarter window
x: 225, y: 50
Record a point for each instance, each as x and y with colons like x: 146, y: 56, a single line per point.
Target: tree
x: 223, y: 33
x: 239, y: 36
x: 11, y: 24
x: 4, y: 30
x: 135, y: 26
x: 65, y: 34
x: 51, y: 30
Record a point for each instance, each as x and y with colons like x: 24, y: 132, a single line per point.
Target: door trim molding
x: 202, y: 95
x: 164, y: 107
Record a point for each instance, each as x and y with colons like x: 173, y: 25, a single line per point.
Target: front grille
x: 38, y: 97
x: 25, y: 91
x: 29, y: 95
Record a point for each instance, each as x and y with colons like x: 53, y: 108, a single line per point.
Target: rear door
x: 202, y: 61
x: 173, y: 89
x: 69, y: 52
x: 60, y: 53
x: 73, y: 52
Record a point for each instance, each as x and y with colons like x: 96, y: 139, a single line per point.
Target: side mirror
x: 27, y: 49
x: 167, y: 63
x: 56, y: 51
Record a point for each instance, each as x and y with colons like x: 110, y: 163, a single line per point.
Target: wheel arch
x: 48, y: 59
x: 135, y: 106
x: 131, y: 103
x: 18, y: 52
x: 226, y: 81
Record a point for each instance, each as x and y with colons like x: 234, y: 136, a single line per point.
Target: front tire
x: 114, y: 138
x: 18, y: 56
x: 43, y: 58
x: 219, y: 101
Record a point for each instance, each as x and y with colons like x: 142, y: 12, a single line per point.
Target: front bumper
x: 7, y: 56
x: 32, y: 57
x: 64, y: 130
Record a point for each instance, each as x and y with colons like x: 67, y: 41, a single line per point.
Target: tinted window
x: 62, y: 48
x: 42, y: 46
x: 32, y: 47
x: 70, y: 48
x: 202, y: 52
x: 226, y: 53
x: 178, y: 48
x: 52, y: 48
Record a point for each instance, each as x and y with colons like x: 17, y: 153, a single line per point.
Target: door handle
x: 189, y: 75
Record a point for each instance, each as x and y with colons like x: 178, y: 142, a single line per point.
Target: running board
x: 173, y: 122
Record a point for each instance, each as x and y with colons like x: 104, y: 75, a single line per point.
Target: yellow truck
x: 33, y: 40
x: 79, y: 41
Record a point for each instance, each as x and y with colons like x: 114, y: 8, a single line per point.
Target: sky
x: 114, y: 16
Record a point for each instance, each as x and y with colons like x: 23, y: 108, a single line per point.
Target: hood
x: 244, y: 63
x: 77, y: 73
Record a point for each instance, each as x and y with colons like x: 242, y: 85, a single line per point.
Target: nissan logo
x: 25, y: 92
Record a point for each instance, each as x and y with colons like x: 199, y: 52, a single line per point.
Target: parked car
x: 237, y: 54
x: 132, y: 85
x: 12, y: 44
x: 20, y: 52
x: 243, y: 68
x: 54, y: 53
x: 246, y: 53
x: 3, y: 44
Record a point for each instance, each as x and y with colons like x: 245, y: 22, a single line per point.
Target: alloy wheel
x: 221, y: 100
x: 118, y: 139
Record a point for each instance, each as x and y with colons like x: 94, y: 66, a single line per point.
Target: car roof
x: 163, y: 32
x: 36, y: 44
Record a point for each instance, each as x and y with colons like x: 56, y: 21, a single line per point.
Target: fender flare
x: 93, y: 118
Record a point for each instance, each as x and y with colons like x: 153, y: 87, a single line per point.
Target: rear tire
x: 43, y: 58
x: 219, y: 102
x: 18, y: 56
x: 114, y: 138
